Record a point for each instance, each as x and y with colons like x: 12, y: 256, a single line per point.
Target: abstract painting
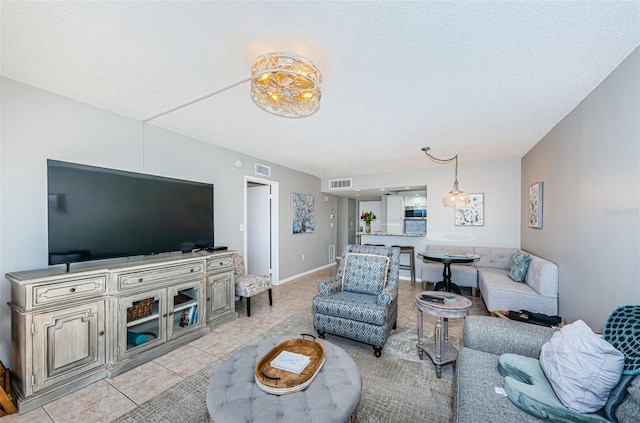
x: 302, y: 213
x: 535, y: 205
x: 471, y: 214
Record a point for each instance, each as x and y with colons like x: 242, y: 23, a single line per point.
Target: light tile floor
x: 108, y: 399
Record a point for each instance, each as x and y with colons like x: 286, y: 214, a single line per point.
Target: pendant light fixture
x: 455, y: 197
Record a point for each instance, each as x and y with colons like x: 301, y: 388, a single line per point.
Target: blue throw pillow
x: 365, y: 273
x: 520, y: 264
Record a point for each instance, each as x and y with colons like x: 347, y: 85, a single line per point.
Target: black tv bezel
x: 69, y: 257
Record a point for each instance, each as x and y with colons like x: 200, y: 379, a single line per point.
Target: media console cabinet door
x: 67, y: 343
x: 220, y: 295
x: 141, y: 322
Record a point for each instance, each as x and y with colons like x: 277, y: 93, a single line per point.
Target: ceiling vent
x: 263, y: 170
x: 340, y: 183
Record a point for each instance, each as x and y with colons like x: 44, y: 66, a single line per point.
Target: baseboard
x: 299, y: 275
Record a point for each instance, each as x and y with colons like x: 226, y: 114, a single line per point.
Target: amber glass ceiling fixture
x: 455, y: 197
x: 286, y: 84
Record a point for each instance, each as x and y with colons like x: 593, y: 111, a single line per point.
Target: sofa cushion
x: 542, y: 277
x: 475, y: 399
x: 582, y: 367
x: 494, y: 257
x: 501, y: 293
x: 528, y: 388
x: 365, y: 273
x: 519, y: 266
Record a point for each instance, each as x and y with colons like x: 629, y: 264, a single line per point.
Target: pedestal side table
x: 454, y: 306
x: 447, y: 259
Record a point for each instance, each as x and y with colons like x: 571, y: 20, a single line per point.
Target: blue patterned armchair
x: 361, y: 303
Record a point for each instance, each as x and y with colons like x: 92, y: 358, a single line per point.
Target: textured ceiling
x: 486, y: 80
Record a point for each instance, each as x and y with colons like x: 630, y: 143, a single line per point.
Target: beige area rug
x: 397, y: 387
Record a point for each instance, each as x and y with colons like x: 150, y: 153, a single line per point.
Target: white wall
x: 38, y: 125
x: 499, y: 181
x: 590, y: 166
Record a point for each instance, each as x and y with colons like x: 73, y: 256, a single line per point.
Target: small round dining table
x: 447, y: 258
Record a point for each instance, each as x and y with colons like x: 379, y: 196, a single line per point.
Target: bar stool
x: 407, y: 249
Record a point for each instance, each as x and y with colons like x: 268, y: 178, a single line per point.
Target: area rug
x: 397, y: 387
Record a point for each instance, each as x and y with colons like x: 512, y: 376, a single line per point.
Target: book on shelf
x: 184, y: 318
x: 290, y: 362
x: 193, y: 314
x: 189, y: 316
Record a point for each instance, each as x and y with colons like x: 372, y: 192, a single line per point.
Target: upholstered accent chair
x: 249, y: 285
x: 361, y: 303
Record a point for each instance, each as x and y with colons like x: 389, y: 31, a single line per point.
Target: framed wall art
x: 471, y: 214
x: 302, y: 213
x: 535, y: 205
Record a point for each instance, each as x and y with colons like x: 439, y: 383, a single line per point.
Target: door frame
x: 275, y: 240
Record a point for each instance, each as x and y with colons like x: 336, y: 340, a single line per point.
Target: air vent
x: 332, y: 253
x: 263, y: 170
x: 340, y: 183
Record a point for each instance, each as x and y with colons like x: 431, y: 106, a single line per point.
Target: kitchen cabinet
x: 415, y: 201
x: 394, y: 216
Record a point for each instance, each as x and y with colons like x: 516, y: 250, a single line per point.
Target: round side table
x: 454, y: 306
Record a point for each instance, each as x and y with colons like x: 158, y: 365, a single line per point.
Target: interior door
x: 258, y: 229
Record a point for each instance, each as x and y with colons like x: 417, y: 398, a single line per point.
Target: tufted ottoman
x: 233, y: 396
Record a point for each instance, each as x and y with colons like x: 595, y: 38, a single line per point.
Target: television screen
x: 97, y: 213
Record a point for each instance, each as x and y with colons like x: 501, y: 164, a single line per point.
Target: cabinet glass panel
x: 185, y: 309
x: 143, y: 322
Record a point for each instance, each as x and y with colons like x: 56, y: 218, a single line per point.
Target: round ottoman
x: 233, y: 396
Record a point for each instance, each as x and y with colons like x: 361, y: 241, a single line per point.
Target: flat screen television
x: 96, y: 213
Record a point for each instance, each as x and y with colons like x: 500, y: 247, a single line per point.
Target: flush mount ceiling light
x: 286, y: 84
x: 455, y: 197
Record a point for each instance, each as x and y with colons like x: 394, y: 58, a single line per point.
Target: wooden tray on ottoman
x: 281, y: 382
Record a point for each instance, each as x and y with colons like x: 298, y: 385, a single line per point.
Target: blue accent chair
x: 361, y: 303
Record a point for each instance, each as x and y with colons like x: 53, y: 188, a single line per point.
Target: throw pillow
x: 520, y: 264
x: 582, y: 367
x: 365, y: 273
x: 529, y: 390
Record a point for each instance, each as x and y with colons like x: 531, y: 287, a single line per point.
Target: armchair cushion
x: 365, y: 273
x: 351, y: 305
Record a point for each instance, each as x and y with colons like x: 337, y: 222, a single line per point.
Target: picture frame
x: 471, y: 214
x: 535, y: 205
x: 302, y: 213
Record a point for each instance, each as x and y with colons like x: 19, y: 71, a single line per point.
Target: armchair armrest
x: 388, y: 294
x: 499, y: 336
x: 329, y: 287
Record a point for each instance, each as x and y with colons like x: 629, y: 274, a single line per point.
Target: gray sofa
x: 485, y: 339
x: 490, y: 274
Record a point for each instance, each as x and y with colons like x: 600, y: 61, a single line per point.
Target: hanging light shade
x: 455, y: 197
x: 285, y: 84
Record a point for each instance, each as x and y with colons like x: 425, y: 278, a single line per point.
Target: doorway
x: 261, y: 227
